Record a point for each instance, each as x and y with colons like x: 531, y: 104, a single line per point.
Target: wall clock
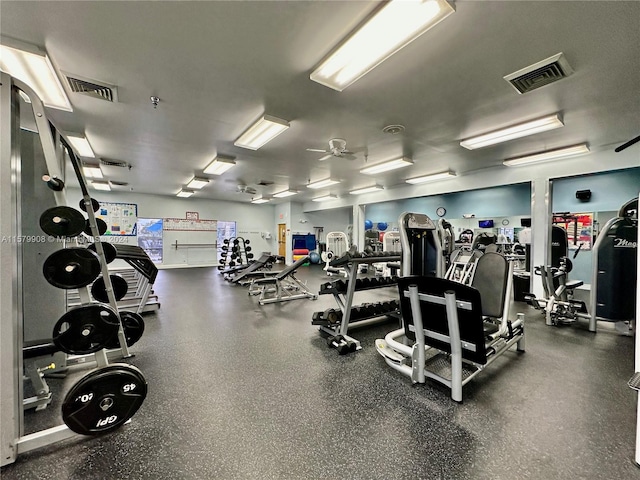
x: 505, y: 222
x: 441, y: 211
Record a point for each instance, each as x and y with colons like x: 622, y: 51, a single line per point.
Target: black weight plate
x: 110, y: 252
x: 102, y: 227
x: 95, y: 205
x: 133, y: 326
x: 62, y: 221
x: 86, y: 329
x: 99, y: 290
x: 71, y: 268
x: 104, y: 399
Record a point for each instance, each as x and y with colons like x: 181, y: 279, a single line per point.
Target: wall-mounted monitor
x: 525, y: 222
x: 485, y: 223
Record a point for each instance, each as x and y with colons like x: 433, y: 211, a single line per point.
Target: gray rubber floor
x: 242, y: 391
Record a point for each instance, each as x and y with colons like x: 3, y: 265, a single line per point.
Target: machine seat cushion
x: 490, y: 328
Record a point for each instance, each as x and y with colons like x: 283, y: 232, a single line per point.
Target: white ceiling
x: 218, y: 66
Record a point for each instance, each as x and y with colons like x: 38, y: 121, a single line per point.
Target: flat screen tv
x: 525, y: 222
x: 485, y: 223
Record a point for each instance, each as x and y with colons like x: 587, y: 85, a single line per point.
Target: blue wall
x: 609, y: 191
x: 504, y: 201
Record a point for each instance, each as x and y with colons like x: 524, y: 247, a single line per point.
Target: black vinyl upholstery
x: 434, y: 316
x: 490, y: 279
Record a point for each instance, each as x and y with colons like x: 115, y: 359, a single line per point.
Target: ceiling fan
x: 628, y: 144
x: 246, y: 189
x: 337, y: 148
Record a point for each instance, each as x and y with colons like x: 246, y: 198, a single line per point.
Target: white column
x: 541, y: 202
x: 358, y: 226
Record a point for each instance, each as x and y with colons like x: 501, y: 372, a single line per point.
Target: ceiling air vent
x: 113, y: 163
x: 540, y: 74
x: 265, y: 183
x: 92, y: 88
x: 119, y: 184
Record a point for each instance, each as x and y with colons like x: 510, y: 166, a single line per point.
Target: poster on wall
x: 121, y: 218
x: 579, y: 228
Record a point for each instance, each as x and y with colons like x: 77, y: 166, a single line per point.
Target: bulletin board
x: 121, y: 218
x: 190, y: 225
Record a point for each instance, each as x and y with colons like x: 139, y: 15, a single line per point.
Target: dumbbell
x: 249, y: 255
x: 247, y: 242
x: 247, y: 249
x: 347, y: 347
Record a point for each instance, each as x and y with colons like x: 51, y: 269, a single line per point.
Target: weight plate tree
x: 104, y: 399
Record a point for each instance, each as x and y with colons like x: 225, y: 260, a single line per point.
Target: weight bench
x: 281, y: 286
x: 452, y: 330
x: 245, y: 274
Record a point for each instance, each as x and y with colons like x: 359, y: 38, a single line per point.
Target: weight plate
x: 102, y: 227
x: 110, y: 252
x: 104, y: 399
x: 95, y: 205
x: 86, y: 329
x: 71, y: 268
x: 133, y: 326
x: 99, y: 290
x: 62, y: 221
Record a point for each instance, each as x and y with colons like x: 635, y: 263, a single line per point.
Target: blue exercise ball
x: 382, y: 226
x: 314, y: 258
x: 368, y: 224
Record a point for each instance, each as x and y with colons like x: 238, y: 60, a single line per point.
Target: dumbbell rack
x: 344, y: 298
x: 238, y: 252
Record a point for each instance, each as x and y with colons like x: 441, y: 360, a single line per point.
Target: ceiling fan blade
x: 348, y: 156
x: 628, y: 144
x: 326, y: 157
x: 316, y: 150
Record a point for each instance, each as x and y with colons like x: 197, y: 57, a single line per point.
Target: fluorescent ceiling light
x: 323, y: 183
x: 185, y: 193
x: 219, y: 166
x: 548, y: 155
x: 81, y: 146
x: 286, y: 193
x: 197, y: 183
x: 32, y: 66
x: 92, y: 171
x: 394, y: 26
x: 260, y: 200
x: 373, y: 188
x: 386, y: 166
x: 324, y: 198
x: 517, y: 131
x: 264, y: 130
x: 430, y: 178
x: 101, y: 186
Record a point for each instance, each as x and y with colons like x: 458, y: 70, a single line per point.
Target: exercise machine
x: 614, y: 278
x: 613, y: 281
x: 445, y: 322
x: 282, y: 286
x: 451, y: 331
x: 337, y: 245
